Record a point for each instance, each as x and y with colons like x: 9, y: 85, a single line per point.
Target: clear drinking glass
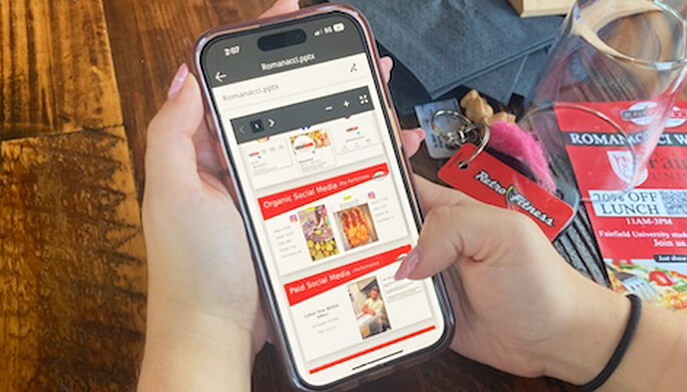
x: 611, y: 51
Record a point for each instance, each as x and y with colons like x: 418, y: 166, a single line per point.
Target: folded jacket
x: 500, y: 82
x: 534, y: 67
x: 446, y: 43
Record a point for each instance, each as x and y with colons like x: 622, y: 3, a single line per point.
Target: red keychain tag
x: 489, y: 180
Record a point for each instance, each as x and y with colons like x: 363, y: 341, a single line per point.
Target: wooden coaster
x: 529, y: 8
x: 72, y: 264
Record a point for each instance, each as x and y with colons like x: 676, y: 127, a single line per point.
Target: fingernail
x: 178, y: 81
x: 411, y: 136
x: 408, y: 265
x: 420, y: 134
x: 419, y: 137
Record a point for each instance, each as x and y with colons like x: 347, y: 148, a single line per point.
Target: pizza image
x: 357, y: 226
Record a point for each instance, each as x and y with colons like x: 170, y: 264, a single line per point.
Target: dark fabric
x: 406, y: 90
x: 448, y: 43
x: 534, y: 67
x: 499, y: 83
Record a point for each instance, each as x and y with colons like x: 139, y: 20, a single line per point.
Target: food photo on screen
x: 312, y: 149
x: 318, y: 232
x: 357, y: 226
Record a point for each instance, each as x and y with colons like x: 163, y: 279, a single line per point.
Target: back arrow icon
x: 220, y: 76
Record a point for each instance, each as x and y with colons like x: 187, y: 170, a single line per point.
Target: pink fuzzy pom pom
x: 524, y: 146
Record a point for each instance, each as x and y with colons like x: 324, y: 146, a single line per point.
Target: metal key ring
x: 463, y: 135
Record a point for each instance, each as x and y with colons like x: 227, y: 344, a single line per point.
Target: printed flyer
x: 642, y: 234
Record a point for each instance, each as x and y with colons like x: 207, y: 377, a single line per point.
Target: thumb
x: 170, y: 151
x: 464, y: 232
x: 434, y: 195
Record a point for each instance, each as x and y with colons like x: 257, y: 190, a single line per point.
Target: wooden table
x: 80, y: 81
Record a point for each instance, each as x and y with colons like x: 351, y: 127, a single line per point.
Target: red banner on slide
x: 286, y: 201
x: 309, y: 287
x: 371, y: 349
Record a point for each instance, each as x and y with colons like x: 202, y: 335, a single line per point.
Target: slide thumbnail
x: 357, y: 225
x: 318, y: 232
x: 369, y: 307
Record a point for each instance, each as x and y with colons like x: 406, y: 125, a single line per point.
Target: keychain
x: 477, y: 172
x: 507, y: 141
x: 467, y: 132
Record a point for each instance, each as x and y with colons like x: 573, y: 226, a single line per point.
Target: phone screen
x: 312, y: 149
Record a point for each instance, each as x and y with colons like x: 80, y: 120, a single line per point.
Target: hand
x: 369, y: 311
x: 519, y: 306
x: 201, y: 278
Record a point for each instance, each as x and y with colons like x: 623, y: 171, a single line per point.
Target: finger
x: 434, y: 195
x: 207, y: 153
x: 450, y: 234
x: 210, y: 169
x: 270, y: 335
x: 281, y: 7
x: 170, y: 152
x: 387, y: 65
x: 412, y: 139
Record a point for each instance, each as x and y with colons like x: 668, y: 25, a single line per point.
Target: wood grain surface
x: 56, y: 68
x: 72, y: 257
x: 72, y: 273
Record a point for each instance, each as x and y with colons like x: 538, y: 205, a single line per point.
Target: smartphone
x: 311, y: 142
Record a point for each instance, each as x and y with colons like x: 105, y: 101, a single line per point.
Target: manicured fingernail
x: 178, y: 81
x: 412, y: 137
x: 408, y: 265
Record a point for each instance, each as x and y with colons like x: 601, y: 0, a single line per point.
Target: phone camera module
x: 282, y: 40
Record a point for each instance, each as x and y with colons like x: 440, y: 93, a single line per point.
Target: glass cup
x: 617, y: 69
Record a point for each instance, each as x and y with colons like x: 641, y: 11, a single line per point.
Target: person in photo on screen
x: 519, y: 306
x: 373, y: 304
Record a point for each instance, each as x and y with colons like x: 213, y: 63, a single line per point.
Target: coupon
x: 642, y: 234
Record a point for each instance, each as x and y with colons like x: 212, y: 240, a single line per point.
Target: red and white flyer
x: 642, y: 234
